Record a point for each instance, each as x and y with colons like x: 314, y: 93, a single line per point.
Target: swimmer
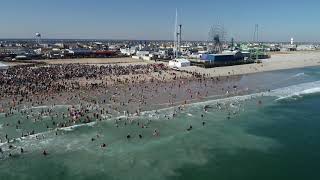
x: 156, y: 132
x: 44, y: 153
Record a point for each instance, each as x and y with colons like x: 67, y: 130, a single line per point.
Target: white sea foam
x: 41, y: 107
x: 71, y: 128
x: 46, y: 107
x: 286, y: 92
x: 311, y: 91
x: 301, y: 93
x: 296, y: 90
x: 299, y: 74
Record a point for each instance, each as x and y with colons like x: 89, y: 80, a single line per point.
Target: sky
x: 278, y: 20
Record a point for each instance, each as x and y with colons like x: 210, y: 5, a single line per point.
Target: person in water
x: 156, y: 132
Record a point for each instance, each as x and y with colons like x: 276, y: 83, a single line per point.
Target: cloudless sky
x: 278, y: 20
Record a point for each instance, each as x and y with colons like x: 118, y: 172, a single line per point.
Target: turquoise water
x: 293, y: 153
x: 271, y: 135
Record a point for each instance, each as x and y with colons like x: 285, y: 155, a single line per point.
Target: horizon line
x: 107, y: 39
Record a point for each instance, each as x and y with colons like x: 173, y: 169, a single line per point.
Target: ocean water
x: 272, y: 133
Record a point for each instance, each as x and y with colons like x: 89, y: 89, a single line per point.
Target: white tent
x: 179, y: 63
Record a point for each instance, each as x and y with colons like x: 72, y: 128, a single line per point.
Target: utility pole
x: 180, y: 37
x: 176, y: 36
x: 232, y: 43
x: 256, y: 34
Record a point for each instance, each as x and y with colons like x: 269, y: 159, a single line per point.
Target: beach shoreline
x: 278, y: 61
x: 96, y: 92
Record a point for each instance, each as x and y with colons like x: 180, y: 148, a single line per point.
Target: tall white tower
x: 177, y: 37
x: 38, y: 38
x: 291, y: 41
x: 175, y: 49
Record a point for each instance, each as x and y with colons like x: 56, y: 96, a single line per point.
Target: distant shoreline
x: 278, y: 61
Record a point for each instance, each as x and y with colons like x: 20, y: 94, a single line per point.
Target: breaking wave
x: 299, y: 75
x: 297, y: 91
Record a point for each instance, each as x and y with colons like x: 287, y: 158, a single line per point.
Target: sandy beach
x: 131, y: 91
x: 278, y: 61
x: 144, y: 85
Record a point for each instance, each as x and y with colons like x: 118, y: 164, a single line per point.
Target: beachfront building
x: 306, y: 47
x: 144, y: 55
x: 179, y: 63
x: 129, y: 51
x: 77, y: 53
x: 288, y: 47
x: 226, y: 58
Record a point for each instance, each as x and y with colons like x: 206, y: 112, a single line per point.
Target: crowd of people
x: 95, y: 93
x: 32, y: 79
